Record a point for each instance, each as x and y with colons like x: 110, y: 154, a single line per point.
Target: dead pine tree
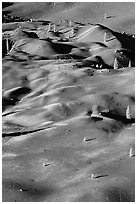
x: 128, y: 112
x: 49, y: 28
x: 54, y: 28
x: 72, y: 31
x: 7, y: 44
x: 105, y: 37
x: 115, y: 63
x: 70, y: 23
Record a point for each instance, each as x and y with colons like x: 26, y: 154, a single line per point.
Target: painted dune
x: 68, y: 102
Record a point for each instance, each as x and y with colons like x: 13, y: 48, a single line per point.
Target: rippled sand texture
x: 68, y: 100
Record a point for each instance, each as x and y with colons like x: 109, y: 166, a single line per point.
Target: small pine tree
x: 105, y: 16
x: 95, y: 110
x: 129, y: 64
x: 131, y: 152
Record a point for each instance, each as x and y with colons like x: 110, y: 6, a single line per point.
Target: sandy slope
x: 67, y: 131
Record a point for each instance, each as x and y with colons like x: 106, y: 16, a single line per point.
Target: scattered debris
x: 22, y: 190
x: 32, y: 180
x: 97, y: 66
x: 97, y: 118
